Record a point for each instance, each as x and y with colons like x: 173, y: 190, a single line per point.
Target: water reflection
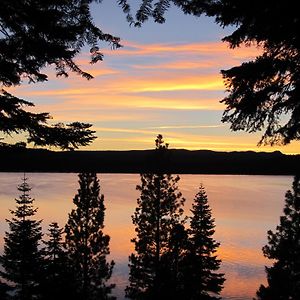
x: 244, y: 208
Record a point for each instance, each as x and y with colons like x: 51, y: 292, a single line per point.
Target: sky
x: 164, y: 80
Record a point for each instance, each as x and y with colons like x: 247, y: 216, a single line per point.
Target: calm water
x: 244, y: 208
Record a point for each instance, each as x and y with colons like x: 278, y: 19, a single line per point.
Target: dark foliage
x: 284, y: 248
x: 22, y: 260
x: 58, y: 281
x: 86, y: 244
x: 263, y: 93
x: 158, y: 214
x: 14, y: 119
x: 173, y: 265
x: 33, y: 35
x: 200, y: 263
x: 4, y: 289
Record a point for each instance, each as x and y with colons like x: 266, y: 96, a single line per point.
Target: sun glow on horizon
x: 145, y: 89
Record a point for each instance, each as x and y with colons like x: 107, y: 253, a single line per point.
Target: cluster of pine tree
x: 177, y: 260
x: 70, y: 267
x: 172, y: 260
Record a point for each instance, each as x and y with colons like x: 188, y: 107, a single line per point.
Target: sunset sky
x: 166, y: 79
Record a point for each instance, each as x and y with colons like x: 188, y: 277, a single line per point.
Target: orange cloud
x: 154, y: 82
x: 165, y: 80
x: 201, y: 48
x: 188, y: 126
x: 179, y: 65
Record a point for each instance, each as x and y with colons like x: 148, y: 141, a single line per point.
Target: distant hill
x: 138, y: 161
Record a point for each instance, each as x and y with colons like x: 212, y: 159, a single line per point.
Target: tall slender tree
x: 284, y: 249
x: 22, y: 258
x: 201, y: 279
x: 158, y: 212
x: 86, y: 243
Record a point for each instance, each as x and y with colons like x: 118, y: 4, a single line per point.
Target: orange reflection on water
x: 244, y: 208
x: 243, y: 268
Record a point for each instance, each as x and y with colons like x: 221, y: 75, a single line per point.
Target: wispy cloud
x: 145, y: 89
x: 188, y: 126
x: 201, y: 48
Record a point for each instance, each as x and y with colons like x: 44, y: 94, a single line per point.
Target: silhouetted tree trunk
x: 86, y: 243
x: 284, y: 247
x: 22, y: 261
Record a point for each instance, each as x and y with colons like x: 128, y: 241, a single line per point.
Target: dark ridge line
x: 179, y: 161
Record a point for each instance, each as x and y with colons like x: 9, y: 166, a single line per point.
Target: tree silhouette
x: 201, y: 264
x: 58, y: 279
x: 159, y: 211
x: 33, y: 35
x: 264, y: 92
x: 4, y: 289
x: 14, y: 119
x: 22, y: 259
x: 86, y: 243
x: 173, y: 264
x: 284, y: 248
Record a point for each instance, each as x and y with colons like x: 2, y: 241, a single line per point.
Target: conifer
x: 159, y: 211
x: 22, y: 258
x: 86, y: 243
x: 284, y: 249
x: 201, y: 279
x: 58, y: 278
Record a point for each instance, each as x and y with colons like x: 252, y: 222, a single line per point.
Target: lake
x: 244, y: 208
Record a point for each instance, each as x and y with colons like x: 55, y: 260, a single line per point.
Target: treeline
x: 69, y: 262
x: 170, y: 260
x: 174, y: 254
x: 19, y: 159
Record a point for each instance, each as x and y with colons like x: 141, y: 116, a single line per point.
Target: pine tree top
x: 24, y: 207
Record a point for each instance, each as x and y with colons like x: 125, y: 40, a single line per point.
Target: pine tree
x: 200, y: 265
x: 54, y: 246
x: 158, y: 212
x: 284, y: 247
x: 22, y: 260
x: 58, y: 279
x: 86, y: 243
